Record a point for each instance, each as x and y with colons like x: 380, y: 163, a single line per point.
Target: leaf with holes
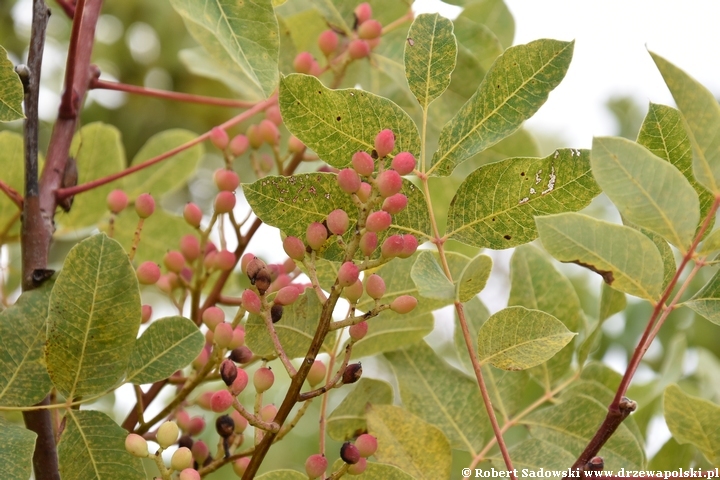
x: 516, y: 86
x: 348, y: 419
x: 338, y: 123
x: 94, y: 316
x: 517, y: 338
x: 625, y: 258
x: 11, y: 90
x: 496, y: 204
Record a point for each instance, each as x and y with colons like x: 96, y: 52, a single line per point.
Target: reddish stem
x: 70, y: 101
x: 67, y: 7
x: 12, y: 194
x: 176, y: 96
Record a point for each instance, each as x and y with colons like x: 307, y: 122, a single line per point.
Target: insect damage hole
x: 507, y: 237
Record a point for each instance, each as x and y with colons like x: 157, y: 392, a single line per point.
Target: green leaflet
x: 638, y: 183
x: 496, y: 204
x: 11, y: 90
x: 440, y: 395
x: 348, y: 418
x: 516, y: 86
x: 706, y: 302
x: 24, y: 380
x: 663, y: 133
x: 377, y: 471
x: 219, y: 66
x: 624, y: 257
x: 430, y: 54
x: 701, y: 113
x: 338, y: 123
x: 535, y: 454
x: 94, y: 316
x: 418, y: 448
x: 473, y: 278
x: 12, y: 158
x: 390, y: 331
x: 693, y: 420
x: 495, y: 15
x: 17, y: 445
x: 247, y: 32
x: 479, y: 41
x: 282, y: 475
x: 169, y: 344
x: 517, y: 338
x: 711, y: 243
x: 428, y: 276
x: 92, y: 447
x: 672, y: 455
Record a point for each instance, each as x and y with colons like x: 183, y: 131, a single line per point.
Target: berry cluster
x: 353, y: 454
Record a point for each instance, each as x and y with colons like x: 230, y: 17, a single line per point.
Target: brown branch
x: 13, y: 194
x: 96, y: 83
x: 132, y: 419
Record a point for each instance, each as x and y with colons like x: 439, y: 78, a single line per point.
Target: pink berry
x: 241, y: 422
x: 410, y: 246
x: 349, y: 453
x: 225, y: 202
x: 348, y: 180
x: 219, y: 138
x: 203, y: 401
x: 117, y: 201
x: 201, y: 360
x: 378, y: 221
x: 273, y: 114
x: 240, y: 465
x: 364, y: 192
x: 192, y: 215
x: 384, y: 142
x: 224, y: 260
x: 238, y: 338
x: 148, y: 273
x: 289, y: 265
x: 373, y: 43
x: 317, y: 373
x: 245, y: 260
x: 368, y: 243
x: 353, y: 292
x: 366, y: 445
x: 328, y: 42
x: 263, y: 379
x: 395, y: 204
x: 269, y: 132
x: 375, y: 286
x: 363, y: 163
x: 239, y: 145
x: 389, y: 183
x: 295, y: 145
x: 358, y: 49
x: 251, y: 302
x: 303, y: 62
x: 223, y: 335
x: 403, y: 304
x: 392, y: 246
x: 226, y: 179
x: 338, y: 221
x: 182, y: 418
x: 403, y: 163
x: 294, y: 247
x: 212, y: 317
x: 221, y: 401
x: 146, y: 313
x: 174, y: 261
x: 316, y: 465
x: 268, y: 412
x: 358, y: 468
x: 144, y: 205
x: 363, y: 13
x: 370, y: 30
x: 200, y: 451
x: 136, y: 445
x: 316, y: 235
x: 239, y: 384
x: 287, y: 295
x: 348, y: 274
x: 196, y: 425
x: 358, y: 331
x: 190, y: 247
x: 254, y: 138
x: 189, y: 474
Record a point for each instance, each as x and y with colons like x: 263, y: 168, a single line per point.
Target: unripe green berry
x: 358, y: 331
x: 375, y: 286
x: 389, y: 183
x: 228, y: 371
x: 349, y: 453
x: 338, y: 221
x: 239, y: 145
x: 192, y: 215
x: 358, y: 49
x: 239, y: 384
x: 263, y: 379
x: 136, y: 445
x: 212, y: 317
x: 174, y: 261
x: 364, y: 192
x: 240, y: 465
x: 303, y: 62
x: 251, y: 302
x: 403, y: 304
x: 268, y: 412
x: 144, y: 205
x: 328, y: 42
x: 225, y: 202
x: 181, y: 459
x: 226, y: 180
x: 190, y: 247
x: 223, y: 335
x: 316, y: 465
x: 378, y: 221
x: 316, y: 235
x: 368, y: 243
x: 219, y: 138
x: 363, y: 163
x: 395, y: 204
x: 287, y: 295
x: 224, y: 426
x: 410, y: 246
x: 392, y: 246
x: 384, y: 142
x: 403, y: 163
x: 348, y: 180
x: 117, y: 201
x: 146, y: 313
x: 317, y: 373
x: 366, y: 445
x: 358, y: 468
x: 294, y: 247
x: 363, y: 13
x: 148, y: 273
x: 370, y: 29
x: 167, y: 434
x: 353, y: 292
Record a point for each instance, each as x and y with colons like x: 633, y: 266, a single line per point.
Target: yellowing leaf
x: 348, y: 418
x: 693, y: 420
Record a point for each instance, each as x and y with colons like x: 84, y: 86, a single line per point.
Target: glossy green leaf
x: 169, y: 174
x: 219, y: 66
x: 338, y: 123
x: 495, y: 15
x: 24, y: 380
x: 537, y: 455
x: 160, y: 233
x: 693, y: 420
x: 429, y: 278
x: 377, y: 471
x: 295, y: 331
x: 429, y: 57
x: 245, y: 31
x: 12, y: 158
x: 390, y: 331
x: 406, y: 441
x: 440, y: 395
x: 701, y: 112
x: 92, y: 447
x: 11, y: 90
x: 496, y: 204
x: 94, y: 316
x: 282, y: 475
x: 611, y: 302
x: 570, y: 426
x: 516, y: 86
x: 348, y: 418
x: 706, y: 302
x: 663, y: 133
x: 168, y: 345
x: 517, y: 338
x: 99, y: 152
x: 637, y: 182
x: 473, y: 278
x: 625, y: 258
x: 17, y: 445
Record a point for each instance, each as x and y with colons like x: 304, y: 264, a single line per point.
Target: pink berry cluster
x: 354, y: 454
x: 340, y: 49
